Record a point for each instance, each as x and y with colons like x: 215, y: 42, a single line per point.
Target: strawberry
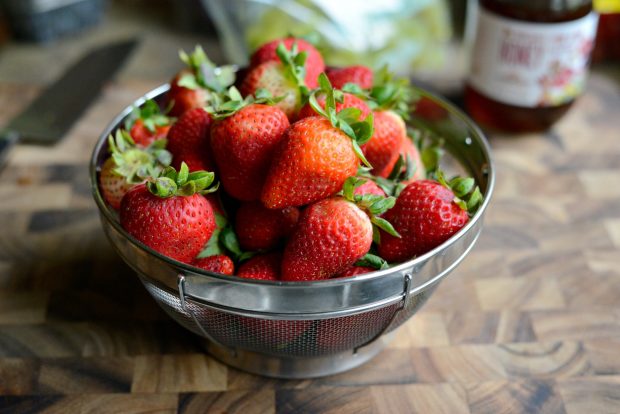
x: 282, y: 78
x: 317, y: 154
x: 348, y: 101
x: 383, y: 147
x: 128, y: 166
x: 334, y: 233
x: 426, y: 214
x: 262, y: 267
x: 144, y: 136
x: 147, y: 123
x: 192, y: 87
x: 113, y: 186
x: 243, y: 145
x: 216, y: 264
x: 408, y: 151
x: 359, y: 75
x: 169, y: 214
x: 330, y: 236
x: 369, y: 187
x: 312, y: 163
x: 260, y: 228
x: 182, y: 98
x: 188, y: 141
x: 314, y: 64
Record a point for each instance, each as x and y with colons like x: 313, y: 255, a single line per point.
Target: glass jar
x: 529, y: 62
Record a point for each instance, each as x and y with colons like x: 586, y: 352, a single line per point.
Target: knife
x: 48, y: 118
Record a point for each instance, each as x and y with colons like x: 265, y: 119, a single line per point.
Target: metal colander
x: 304, y: 329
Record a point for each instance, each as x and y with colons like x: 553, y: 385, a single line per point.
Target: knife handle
x: 8, y: 139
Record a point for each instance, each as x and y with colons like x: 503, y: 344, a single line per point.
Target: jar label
x: 531, y: 64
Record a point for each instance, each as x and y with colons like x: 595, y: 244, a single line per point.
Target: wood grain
x: 529, y: 322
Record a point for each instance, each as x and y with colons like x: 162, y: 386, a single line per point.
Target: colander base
x: 292, y: 367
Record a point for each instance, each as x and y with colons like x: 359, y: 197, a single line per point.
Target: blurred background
x: 426, y: 39
x: 415, y: 37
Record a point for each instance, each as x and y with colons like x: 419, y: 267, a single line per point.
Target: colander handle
x: 403, y: 305
x: 188, y: 309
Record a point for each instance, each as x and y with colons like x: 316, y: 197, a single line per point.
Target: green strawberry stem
x: 372, y: 260
x: 151, y: 115
x: 294, y: 65
x: 229, y: 240
x: 388, y: 93
x: 467, y: 194
x: 230, y: 102
x: 213, y: 246
x: 134, y: 163
x: 204, y: 73
x: 403, y: 171
x: 347, y: 120
x: 182, y: 183
x: 224, y: 241
x: 372, y: 204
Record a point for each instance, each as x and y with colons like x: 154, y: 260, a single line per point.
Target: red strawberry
x: 216, y: 203
x: 331, y: 235
x: 259, y: 228
x: 174, y: 225
x: 356, y: 270
x: 147, y: 123
x: 188, y: 141
x: 216, y: 264
x: 314, y: 61
x: 113, y: 186
x: 425, y: 215
x: 182, y: 98
x: 272, y: 77
x: 312, y: 162
x: 316, y: 155
x: 243, y: 145
x: 369, y: 187
x: 281, y: 78
x: 408, y: 149
x: 349, y: 101
x: 143, y: 136
x: 360, y: 75
x: 383, y: 147
x: 128, y: 166
x: 263, y: 267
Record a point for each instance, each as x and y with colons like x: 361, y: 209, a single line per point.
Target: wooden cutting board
x: 530, y: 322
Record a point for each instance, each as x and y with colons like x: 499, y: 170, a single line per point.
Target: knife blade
x: 48, y: 118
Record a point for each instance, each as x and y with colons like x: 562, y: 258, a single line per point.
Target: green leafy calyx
x: 467, y: 194
x: 373, y: 261
x: 226, y: 104
x: 372, y: 204
x: 348, y: 120
x: 182, y: 183
x: 151, y: 115
x: 203, y: 73
x: 392, y: 93
x: 136, y: 163
x: 294, y: 66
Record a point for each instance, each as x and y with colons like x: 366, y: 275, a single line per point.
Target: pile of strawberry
x: 318, y: 177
